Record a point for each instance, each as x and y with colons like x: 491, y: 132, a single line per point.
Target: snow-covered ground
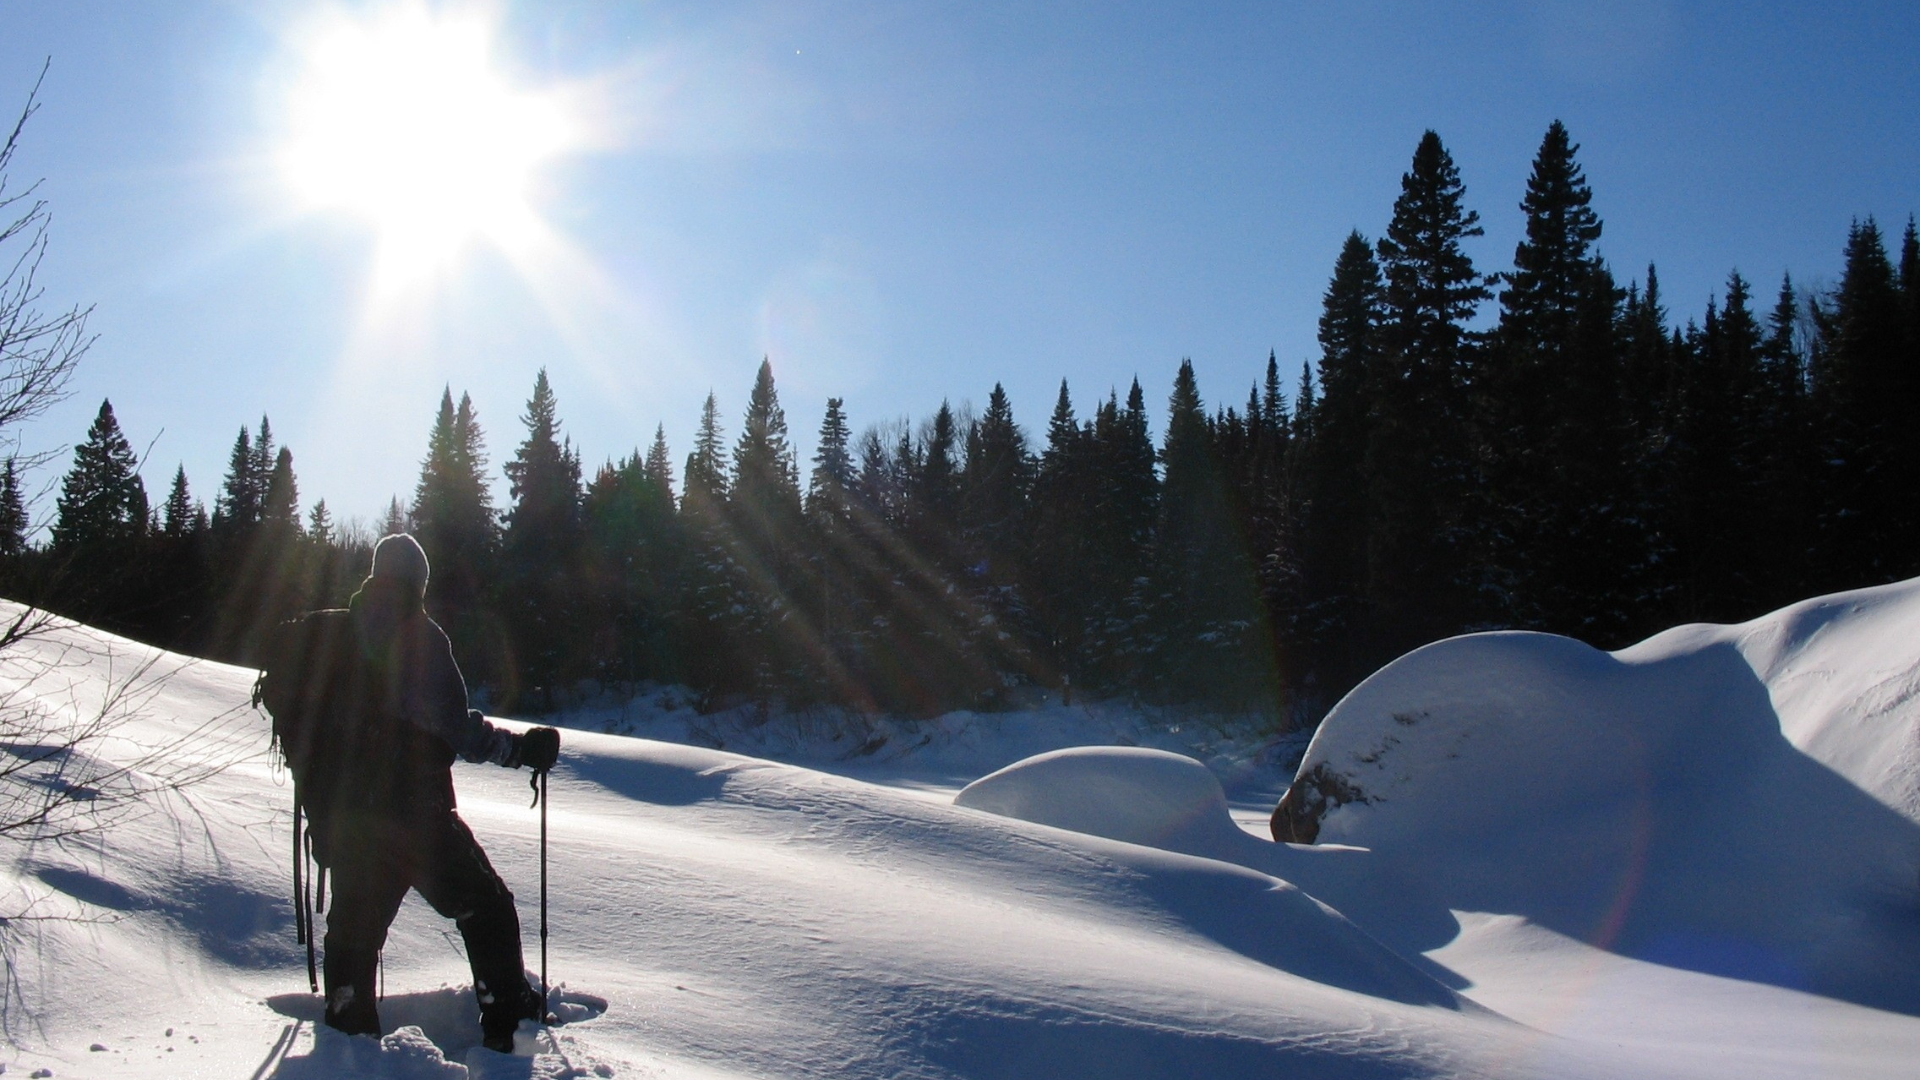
x: 939, y: 756
x: 1698, y: 857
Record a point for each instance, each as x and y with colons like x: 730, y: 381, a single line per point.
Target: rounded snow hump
x: 1129, y: 793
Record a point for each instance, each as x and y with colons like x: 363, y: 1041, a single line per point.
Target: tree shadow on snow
x: 233, y: 923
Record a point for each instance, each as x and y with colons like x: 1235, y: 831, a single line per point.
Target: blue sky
x: 896, y: 203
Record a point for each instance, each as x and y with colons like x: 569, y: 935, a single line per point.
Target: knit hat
x: 399, y: 557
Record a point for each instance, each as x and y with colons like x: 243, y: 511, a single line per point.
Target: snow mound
x: 1163, y: 800
x: 1140, y: 796
x: 1737, y: 800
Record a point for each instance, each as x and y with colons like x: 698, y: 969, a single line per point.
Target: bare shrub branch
x: 71, y: 764
x: 39, y: 351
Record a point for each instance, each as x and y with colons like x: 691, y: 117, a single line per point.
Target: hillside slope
x: 740, y: 918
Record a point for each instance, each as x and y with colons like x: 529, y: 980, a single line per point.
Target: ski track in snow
x: 1697, y: 857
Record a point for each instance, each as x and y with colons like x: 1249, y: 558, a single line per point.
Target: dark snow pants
x: 372, y: 864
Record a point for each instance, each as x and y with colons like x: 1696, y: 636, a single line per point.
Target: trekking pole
x: 539, y: 785
x: 545, y: 987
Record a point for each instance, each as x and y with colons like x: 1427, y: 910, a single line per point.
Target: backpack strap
x: 302, y: 917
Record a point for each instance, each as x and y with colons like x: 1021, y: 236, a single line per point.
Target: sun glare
x: 404, y: 121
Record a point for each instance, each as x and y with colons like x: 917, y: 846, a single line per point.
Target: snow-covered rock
x: 1739, y: 800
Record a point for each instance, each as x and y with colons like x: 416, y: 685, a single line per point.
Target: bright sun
x: 404, y: 121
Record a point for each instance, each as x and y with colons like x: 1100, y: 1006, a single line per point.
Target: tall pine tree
x: 541, y: 552
x: 454, y: 520
x: 1337, y: 508
x: 1420, y: 564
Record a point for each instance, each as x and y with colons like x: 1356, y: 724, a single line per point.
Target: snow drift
x: 1736, y: 802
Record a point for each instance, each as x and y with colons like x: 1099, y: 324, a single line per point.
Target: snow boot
x: 499, y: 1020
x: 353, y: 1014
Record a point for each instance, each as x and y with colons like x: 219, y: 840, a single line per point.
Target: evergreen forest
x: 1543, y: 446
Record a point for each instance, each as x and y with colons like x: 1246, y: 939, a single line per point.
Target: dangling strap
x: 299, y: 886
x: 303, y: 917
x: 319, y: 891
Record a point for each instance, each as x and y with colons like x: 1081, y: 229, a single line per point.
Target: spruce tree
x: 764, y: 511
x: 1910, y: 282
x: 1118, y: 518
x: 13, y: 515
x: 829, y: 507
x: 1306, y: 404
x: 544, y: 475
x: 660, y: 462
x: 1420, y: 570
x: 1553, y: 439
x: 995, y: 478
x: 100, y: 520
x: 627, y: 574
x: 1273, y: 402
x: 832, y: 476
x: 102, y: 507
x: 714, y: 586
x: 706, y: 473
x: 280, y: 501
x: 1646, y: 365
x: 237, y: 508
x: 1867, y: 395
x: 936, y: 497
x: 260, y: 466
x: 1432, y: 289
x: 177, y: 519
x: 1719, y: 440
x: 320, y: 525
x: 1059, y: 541
x: 1204, y: 585
x: 1336, y: 505
x: 453, y: 518
x: 541, y: 550
x: 1546, y: 288
x: 766, y: 487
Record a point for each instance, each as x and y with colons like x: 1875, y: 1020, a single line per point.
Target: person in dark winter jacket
x: 390, y: 824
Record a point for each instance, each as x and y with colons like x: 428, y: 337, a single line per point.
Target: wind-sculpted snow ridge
x: 1738, y: 800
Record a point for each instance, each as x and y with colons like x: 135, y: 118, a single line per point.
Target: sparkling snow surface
x: 1698, y: 857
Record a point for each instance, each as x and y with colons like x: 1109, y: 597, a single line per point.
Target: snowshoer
x: 373, y: 772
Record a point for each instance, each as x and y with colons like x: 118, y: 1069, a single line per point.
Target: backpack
x: 333, y: 697
x: 314, y: 682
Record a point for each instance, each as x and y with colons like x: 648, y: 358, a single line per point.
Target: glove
x: 539, y: 748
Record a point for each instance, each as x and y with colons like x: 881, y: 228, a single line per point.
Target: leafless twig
x: 39, y: 351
